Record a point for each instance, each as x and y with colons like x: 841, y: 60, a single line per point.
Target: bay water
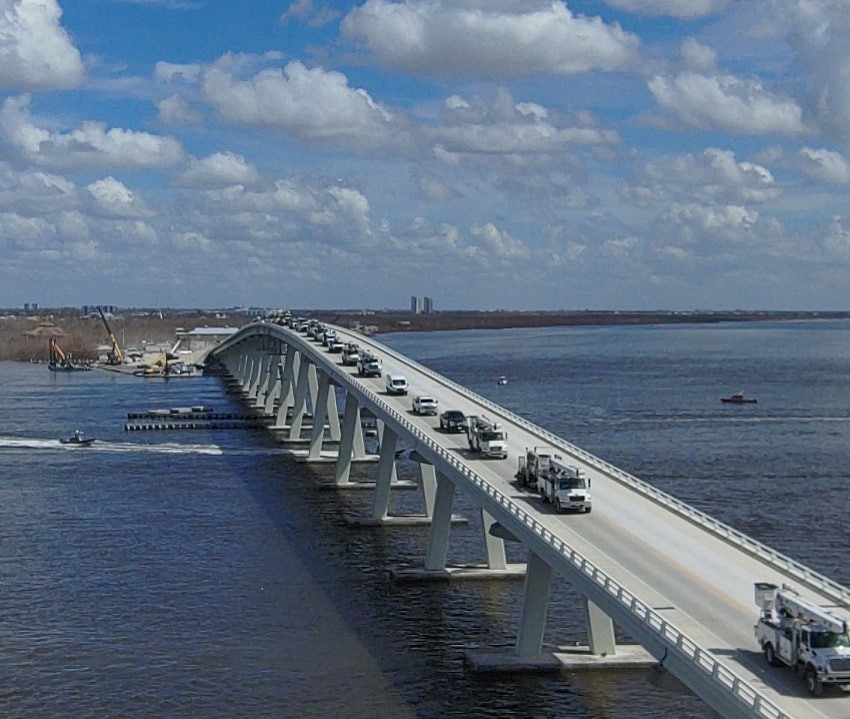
x: 204, y: 573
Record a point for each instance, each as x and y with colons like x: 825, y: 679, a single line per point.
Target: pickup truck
x: 424, y: 404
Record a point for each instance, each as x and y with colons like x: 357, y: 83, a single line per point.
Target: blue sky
x: 616, y: 154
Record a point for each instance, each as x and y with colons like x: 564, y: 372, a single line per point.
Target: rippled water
x: 204, y: 574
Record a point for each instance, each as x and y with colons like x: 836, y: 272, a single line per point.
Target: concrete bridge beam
x: 299, y: 398
x: 600, y: 631
x: 351, y: 434
x: 532, y: 623
x: 320, y: 411
x: 441, y: 524
x: 273, y: 391
x: 494, y: 545
x: 386, y: 473
x: 288, y: 381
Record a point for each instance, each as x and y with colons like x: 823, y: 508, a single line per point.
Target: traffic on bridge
x: 706, y: 603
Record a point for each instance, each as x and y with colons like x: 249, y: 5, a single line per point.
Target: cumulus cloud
x: 111, y: 198
x: 823, y: 165
x: 34, y: 193
x: 218, y: 170
x: 682, y: 9
x: 36, y: 53
x: 313, y: 15
x: 487, y: 39
x: 712, y: 176
x: 819, y: 32
x: 500, y: 126
x: 726, y: 103
x: 312, y: 104
x: 91, y: 147
x: 175, y: 110
x: 495, y: 244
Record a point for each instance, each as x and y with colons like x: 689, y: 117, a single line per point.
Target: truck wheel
x: 770, y: 655
x: 813, y: 684
x: 587, y: 510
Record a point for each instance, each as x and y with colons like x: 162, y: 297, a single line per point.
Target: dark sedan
x: 452, y: 420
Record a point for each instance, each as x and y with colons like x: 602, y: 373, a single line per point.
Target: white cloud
x: 175, y: 110
x: 497, y: 244
x: 36, y: 52
x: 823, y: 165
x: 486, y: 39
x: 683, y: 9
x: 726, y: 103
x: 311, y: 104
x: 698, y: 57
x: 218, y: 170
x: 712, y: 176
x: 836, y: 243
x: 500, y: 126
x: 111, y: 198
x: 92, y: 146
x: 819, y: 32
x: 34, y: 193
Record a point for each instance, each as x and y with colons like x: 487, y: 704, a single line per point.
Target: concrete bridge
x: 675, y: 580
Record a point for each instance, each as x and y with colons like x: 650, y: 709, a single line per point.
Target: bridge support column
x: 320, y: 410
x: 287, y: 381
x: 273, y: 391
x: 351, y: 439
x: 532, y: 623
x: 428, y: 481
x: 441, y: 524
x: 495, y: 546
x: 299, y: 399
x: 386, y: 474
x: 260, y: 378
x: 254, y: 373
x: 243, y: 370
x: 600, y: 631
x: 333, y: 416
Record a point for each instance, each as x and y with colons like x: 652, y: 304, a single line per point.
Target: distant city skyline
x: 531, y: 155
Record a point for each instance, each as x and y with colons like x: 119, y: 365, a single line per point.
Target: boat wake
x: 122, y: 447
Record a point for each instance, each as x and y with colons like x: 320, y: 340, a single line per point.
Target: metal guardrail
x: 670, y: 636
x: 804, y: 574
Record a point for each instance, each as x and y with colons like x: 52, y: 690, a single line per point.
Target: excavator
x: 115, y: 355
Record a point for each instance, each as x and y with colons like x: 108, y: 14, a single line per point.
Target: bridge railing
x: 786, y: 564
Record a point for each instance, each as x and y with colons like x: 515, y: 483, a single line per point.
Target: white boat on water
x: 502, y: 380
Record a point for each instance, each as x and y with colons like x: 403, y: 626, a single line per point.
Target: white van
x: 396, y: 384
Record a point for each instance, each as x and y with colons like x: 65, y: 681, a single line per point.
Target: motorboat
x: 502, y: 380
x: 738, y: 398
x: 77, y: 439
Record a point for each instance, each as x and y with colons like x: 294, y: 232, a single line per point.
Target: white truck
x: 368, y: 366
x: 796, y: 633
x: 566, y: 486
x: 486, y: 437
x: 350, y: 354
x: 532, y: 464
x: 424, y: 404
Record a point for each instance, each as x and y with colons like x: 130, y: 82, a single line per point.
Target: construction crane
x: 115, y: 355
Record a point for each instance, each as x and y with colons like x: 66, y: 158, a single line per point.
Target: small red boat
x: 738, y: 398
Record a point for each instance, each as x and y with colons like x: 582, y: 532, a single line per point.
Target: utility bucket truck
x: 532, y: 464
x: 486, y: 437
x: 566, y: 486
x: 796, y: 633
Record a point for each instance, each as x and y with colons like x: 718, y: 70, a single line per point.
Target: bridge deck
x: 700, y: 582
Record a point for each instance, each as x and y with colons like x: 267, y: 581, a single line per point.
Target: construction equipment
x: 797, y: 633
x: 58, y: 361
x: 115, y: 355
x: 534, y: 463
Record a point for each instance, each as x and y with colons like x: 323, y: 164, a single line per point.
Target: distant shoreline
x: 388, y: 322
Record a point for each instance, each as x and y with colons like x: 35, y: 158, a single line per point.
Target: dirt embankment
x: 26, y: 338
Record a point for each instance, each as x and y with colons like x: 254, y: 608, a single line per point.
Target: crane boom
x: 116, y: 355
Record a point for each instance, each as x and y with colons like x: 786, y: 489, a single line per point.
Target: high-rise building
x: 427, y: 305
x: 415, y: 305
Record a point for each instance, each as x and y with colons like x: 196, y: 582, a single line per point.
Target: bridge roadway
x: 673, y: 578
